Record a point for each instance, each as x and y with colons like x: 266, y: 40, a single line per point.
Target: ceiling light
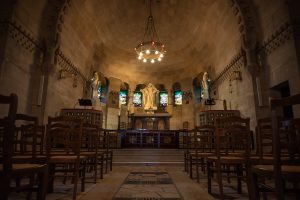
x: 150, y: 48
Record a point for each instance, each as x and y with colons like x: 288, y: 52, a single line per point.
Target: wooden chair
x: 233, y: 147
x: 64, y: 137
x: 37, y: 173
x: 107, y: 140
x: 188, y: 144
x: 204, y: 147
x: 265, y: 142
x: 28, y: 136
x: 91, y: 149
x: 281, y: 170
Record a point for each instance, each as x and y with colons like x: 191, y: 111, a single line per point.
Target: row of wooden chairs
x: 11, y: 170
x: 225, y: 150
x: 72, y: 149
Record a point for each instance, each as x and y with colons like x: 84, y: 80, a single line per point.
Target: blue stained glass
x: 178, y: 98
x: 123, y: 97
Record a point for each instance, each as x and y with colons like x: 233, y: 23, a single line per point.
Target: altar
x: 156, y: 121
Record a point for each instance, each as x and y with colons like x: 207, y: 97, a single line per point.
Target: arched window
x: 123, y: 96
x: 177, y: 94
x: 103, y: 89
x: 197, y: 89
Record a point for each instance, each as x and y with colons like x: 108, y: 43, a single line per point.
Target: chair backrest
x: 204, y: 138
x: 7, y: 126
x: 264, y: 136
x: 294, y: 138
x: 90, y: 138
x: 26, y: 134
x: 63, y: 135
x: 233, y: 136
x: 278, y: 128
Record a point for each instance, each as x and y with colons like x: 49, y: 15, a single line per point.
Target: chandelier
x: 150, y: 49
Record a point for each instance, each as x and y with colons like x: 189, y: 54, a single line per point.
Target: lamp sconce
x: 63, y: 74
x: 236, y: 76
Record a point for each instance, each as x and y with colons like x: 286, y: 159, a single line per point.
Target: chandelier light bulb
x: 161, y: 55
x: 141, y: 53
x: 140, y: 57
x: 156, y: 52
x: 144, y: 60
x: 152, y: 61
x: 147, y: 51
x: 159, y: 59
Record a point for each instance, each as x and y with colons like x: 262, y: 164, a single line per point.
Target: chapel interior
x: 149, y: 99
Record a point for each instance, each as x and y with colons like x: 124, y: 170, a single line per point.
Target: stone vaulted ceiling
x: 197, y: 34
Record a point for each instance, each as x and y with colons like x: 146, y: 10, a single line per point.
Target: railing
x: 147, y: 138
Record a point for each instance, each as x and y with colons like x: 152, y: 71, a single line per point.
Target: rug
x: 148, y: 186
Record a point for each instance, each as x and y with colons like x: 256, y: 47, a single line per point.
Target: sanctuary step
x: 148, y: 157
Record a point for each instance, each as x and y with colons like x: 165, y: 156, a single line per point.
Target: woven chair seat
x: 65, y: 159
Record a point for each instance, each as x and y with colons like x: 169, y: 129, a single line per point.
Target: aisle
x: 108, y: 188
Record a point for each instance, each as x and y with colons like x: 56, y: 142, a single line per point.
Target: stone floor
x: 109, y: 187
x: 115, y: 183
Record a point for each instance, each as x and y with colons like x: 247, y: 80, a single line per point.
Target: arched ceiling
x: 197, y: 34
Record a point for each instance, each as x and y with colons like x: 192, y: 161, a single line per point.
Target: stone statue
x: 95, y: 84
x: 205, y: 86
x: 149, y: 94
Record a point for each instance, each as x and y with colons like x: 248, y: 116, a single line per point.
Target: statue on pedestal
x: 205, y: 86
x: 149, y: 94
x: 95, y: 84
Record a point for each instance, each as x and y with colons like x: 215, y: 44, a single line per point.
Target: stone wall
x: 22, y: 56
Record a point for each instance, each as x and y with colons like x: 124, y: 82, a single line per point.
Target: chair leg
x: 209, y: 177
x: 239, y: 172
x: 106, y: 162
x: 43, y: 176
x: 83, y: 177
x: 111, y: 159
x: 95, y: 162
x: 219, y: 178
x: 254, y: 193
x: 197, y: 169
x: 51, y: 177
x: 279, y: 191
x: 76, y: 175
x: 191, y: 166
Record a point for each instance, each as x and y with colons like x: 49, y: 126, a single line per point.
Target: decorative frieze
x: 67, y: 65
x: 277, y: 39
x: 21, y: 36
x: 236, y: 63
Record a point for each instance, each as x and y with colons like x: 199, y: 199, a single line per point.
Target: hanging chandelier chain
x: 150, y: 49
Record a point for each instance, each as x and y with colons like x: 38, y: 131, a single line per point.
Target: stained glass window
x: 137, y: 99
x: 163, y: 98
x: 178, y: 98
x: 123, y: 97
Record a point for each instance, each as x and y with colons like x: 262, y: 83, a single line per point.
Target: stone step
x: 148, y: 152
x: 148, y: 157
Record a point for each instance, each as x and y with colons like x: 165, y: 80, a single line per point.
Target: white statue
x: 95, y: 83
x: 205, y: 86
x: 149, y: 94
